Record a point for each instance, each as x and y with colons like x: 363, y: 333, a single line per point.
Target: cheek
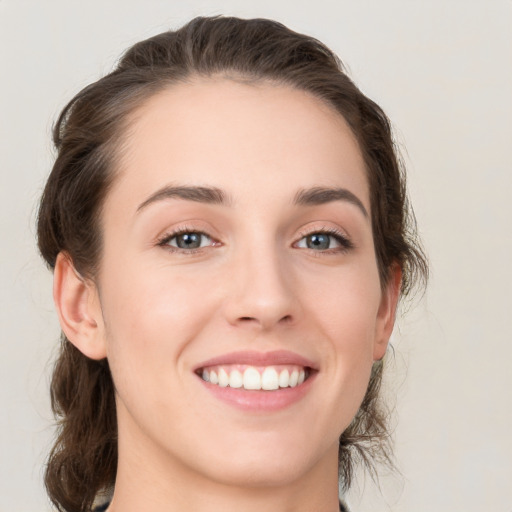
x: 346, y: 306
x: 149, y: 321
x: 347, y: 314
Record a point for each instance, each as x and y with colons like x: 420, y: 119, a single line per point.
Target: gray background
x: 442, y: 71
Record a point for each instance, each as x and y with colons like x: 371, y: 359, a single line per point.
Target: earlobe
x: 387, y: 312
x: 78, y: 307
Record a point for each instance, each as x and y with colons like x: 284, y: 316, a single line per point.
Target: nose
x: 261, y: 291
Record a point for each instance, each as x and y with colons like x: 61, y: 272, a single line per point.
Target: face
x: 238, y: 254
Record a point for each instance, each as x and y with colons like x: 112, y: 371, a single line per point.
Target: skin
x: 157, y: 311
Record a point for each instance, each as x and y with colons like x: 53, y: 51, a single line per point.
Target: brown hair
x: 88, y: 137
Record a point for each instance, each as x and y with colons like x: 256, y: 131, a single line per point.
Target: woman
x: 227, y: 225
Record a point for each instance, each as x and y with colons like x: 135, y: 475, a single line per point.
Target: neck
x: 149, y: 479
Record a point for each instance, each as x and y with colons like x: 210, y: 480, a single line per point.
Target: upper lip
x: 255, y: 358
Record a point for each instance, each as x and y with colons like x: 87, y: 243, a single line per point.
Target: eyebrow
x: 322, y: 195
x: 210, y: 195
x: 213, y: 195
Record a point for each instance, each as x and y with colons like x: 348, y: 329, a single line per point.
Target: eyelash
x: 165, y: 239
x: 345, y: 243
x: 340, y: 237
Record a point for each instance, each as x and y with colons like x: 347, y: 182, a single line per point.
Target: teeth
x: 269, y: 379
x: 236, y: 379
x: 251, y: 378
x: 284, y: 379
x: 223, y: 378
x: 294, y: 377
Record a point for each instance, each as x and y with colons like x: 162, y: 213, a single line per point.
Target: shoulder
x: 103, y: 507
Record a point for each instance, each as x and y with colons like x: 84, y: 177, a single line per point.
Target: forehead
x: 245, y: 138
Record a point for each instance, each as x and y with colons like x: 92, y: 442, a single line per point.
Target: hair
x: 88, y: 136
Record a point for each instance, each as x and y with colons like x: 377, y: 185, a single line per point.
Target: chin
x: 271, y: 461
x: 262, y: 472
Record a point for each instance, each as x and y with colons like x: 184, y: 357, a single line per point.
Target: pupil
x: 318, y: 241
x: 189, y: 241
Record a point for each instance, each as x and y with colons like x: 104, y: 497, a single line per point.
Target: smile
x: 258, y: 382
x: 267, y: 378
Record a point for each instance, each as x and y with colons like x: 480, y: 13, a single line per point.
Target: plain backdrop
x: 442, y: 70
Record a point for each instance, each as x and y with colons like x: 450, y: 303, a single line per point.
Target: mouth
x: 255, y: 378
x: 258, y: 382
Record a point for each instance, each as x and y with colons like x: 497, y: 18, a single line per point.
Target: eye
x: 324, y: 241
x: 187, y: 240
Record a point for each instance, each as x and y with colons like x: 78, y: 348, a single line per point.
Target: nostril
x: 284, y: 319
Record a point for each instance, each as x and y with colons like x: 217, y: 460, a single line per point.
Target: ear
x: 387, y: 312
x: 79, y: 309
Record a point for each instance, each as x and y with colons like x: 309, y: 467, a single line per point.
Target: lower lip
x: 260, y: 400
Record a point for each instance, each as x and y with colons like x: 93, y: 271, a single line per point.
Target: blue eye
x: 187, y: 240
x: 323, y: 241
